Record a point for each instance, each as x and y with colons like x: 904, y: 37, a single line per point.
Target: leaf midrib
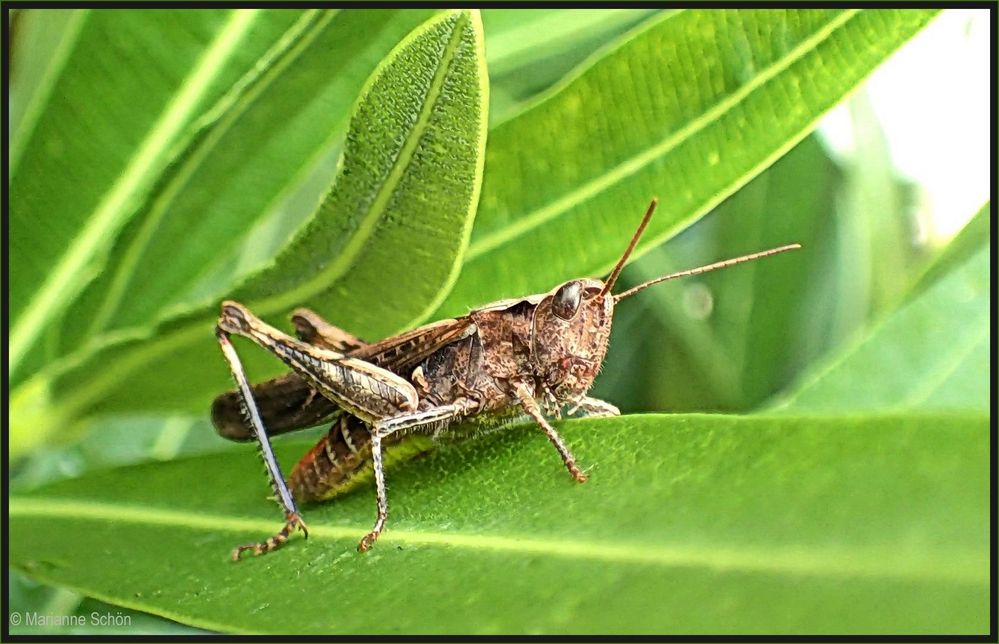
x: 524, y: 224
x: 957, y: 566
x: 336, y: 268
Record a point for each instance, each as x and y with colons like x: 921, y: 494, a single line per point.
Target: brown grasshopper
x: 533, y: 355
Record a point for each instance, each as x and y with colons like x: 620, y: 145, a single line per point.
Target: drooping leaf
x: 692, y: 524
x: 689, y: 109
x: 384, y: 245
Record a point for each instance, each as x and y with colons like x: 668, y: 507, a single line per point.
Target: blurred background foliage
x: 714, y: 350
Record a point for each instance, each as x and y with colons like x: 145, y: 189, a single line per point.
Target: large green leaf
x: 382, y: 249
x: 835, y: 518
x: 690, y: 109
x: 689, y: 524
x: 104, y: 140
x: 254, y: 148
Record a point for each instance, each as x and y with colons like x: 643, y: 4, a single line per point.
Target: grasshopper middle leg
x: 421, y: 421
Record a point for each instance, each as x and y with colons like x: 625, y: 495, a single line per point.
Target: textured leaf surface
x: 383, y: 247
x: 689, y: 524
x: 689, y: 109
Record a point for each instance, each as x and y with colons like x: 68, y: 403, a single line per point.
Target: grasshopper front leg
x: 530, y: 405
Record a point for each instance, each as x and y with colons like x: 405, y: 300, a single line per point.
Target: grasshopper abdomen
x: 341, y: 460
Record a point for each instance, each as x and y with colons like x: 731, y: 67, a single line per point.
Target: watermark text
x: 95, y: 618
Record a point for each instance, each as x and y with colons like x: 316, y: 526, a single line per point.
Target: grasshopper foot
x: 369, y: 540
x: 293, y: 521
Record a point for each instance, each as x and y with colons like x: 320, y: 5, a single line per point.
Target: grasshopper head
x: 571, y: 328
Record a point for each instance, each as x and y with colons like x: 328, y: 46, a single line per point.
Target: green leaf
x: 74, y: 614
x: 382, y: 249
x: 975, y: 234
x: 874, y: 524
x: 40, y: 42
x: 690, y: 109
x: 531, y: 49
x: 128, y: 132
x: 256, y: 144
x: 931, y: 353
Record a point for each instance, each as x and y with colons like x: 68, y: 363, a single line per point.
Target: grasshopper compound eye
x: 565, y: 304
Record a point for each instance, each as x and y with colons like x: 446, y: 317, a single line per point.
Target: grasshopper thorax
x: 570, y: 331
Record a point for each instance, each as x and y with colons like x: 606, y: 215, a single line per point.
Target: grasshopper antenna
x: 703, y: 269
x: 631, y: 246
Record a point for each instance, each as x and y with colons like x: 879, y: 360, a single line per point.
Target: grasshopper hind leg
x: 293, y: 521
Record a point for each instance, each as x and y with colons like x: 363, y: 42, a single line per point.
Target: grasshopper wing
x: 288, y: 403
x: 401, y: 353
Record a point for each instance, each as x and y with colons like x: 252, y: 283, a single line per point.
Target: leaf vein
x: 795, y: 560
